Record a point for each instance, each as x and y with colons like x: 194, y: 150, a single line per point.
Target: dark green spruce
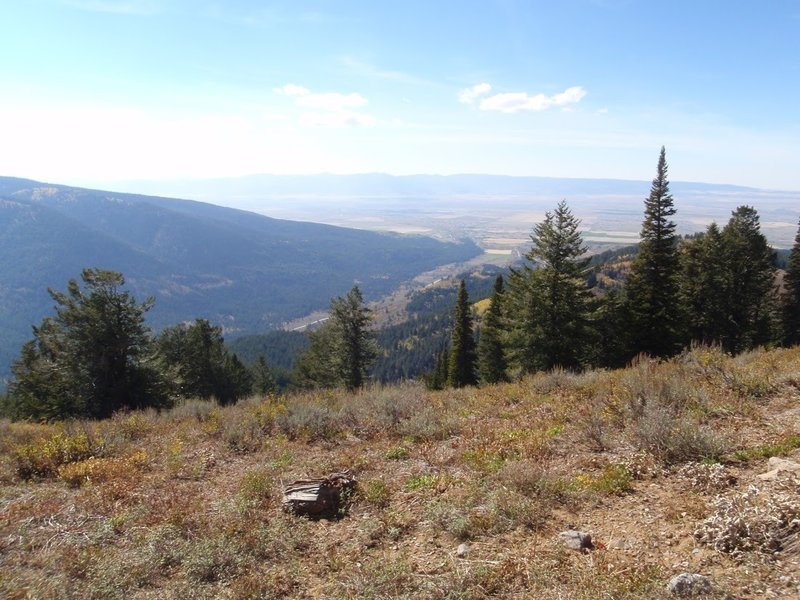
x: 652, y: 287
x: 342, y: 350
x: 92, y: 358
x: 750, y: 260
x: 790, y: 301
x: 198, y: 365
x: 550, y: 306
x: 461, y: 365
x: 705, y: 287
x: 492, y: 365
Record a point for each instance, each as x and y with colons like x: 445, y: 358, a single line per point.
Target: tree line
x: 95, y: 355
x: 718, y: 287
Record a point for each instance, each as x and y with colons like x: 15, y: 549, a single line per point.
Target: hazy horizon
x: 97, y: 91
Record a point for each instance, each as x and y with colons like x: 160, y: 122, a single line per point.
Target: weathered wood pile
x: 320, y: 497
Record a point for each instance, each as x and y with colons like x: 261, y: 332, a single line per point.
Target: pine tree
x: 705, y: 287
x: 315, y: 366
x: 263, y: 379
x: 610, y: 324
x: 652, y: 287
x: 342, y: 350
x: 437, y: 379
x: 750, y: 260
x: 90, y: 359
x: 549, y: 307
x: 492, y: 364
x: 461, y: 366
x: 790, y: 302
x: 355, y: 346
x: 199, y: 365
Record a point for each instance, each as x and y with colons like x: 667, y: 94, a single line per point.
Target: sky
x: 96, y: 91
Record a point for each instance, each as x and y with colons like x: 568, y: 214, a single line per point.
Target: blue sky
x: 94, y: 91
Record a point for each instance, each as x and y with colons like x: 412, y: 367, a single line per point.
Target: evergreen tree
x: 316, y: 367
x: 652, y: 287
x: 263, y: 379
x: 437, y: 379
x: 492, y: 364
x: 461, y: 365
x: 705, y: 287
x: 790, y: 301
x: 611, y: 323
x: 342, y: 350
x: 199, y: 365
x: 355, y: 346
x: 90, y: 359
x: 752, y: 274
x: 550, y: 307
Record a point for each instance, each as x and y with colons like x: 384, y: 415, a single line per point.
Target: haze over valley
x: 496, y: 212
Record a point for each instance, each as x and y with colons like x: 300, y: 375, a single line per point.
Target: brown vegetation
x: 187, y: 503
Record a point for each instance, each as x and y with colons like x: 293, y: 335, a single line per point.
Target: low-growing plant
x: 376, y: 492
x: 782, y: 446
x: 255, y: 489
x: 96, y: 470
x: 614, y: 480
x: 422, y: 482
x: 760, y: 520
x: 396, y: 453
x: 673, y: 437
x: 451, y: 518
x: 43, y: 457
x: 211, y: 559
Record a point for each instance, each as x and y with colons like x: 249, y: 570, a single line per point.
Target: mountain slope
x: 244, y: 271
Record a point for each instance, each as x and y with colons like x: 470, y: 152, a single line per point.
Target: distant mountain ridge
x: 246, y: 272
x: 384, y: 185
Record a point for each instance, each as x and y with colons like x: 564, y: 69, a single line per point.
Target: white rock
x: 686, y: 585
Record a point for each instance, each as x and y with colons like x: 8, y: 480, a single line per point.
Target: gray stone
x: 462, y: 550
x: 778, y: 465
x: 576, y: 540
x: 686, y: 585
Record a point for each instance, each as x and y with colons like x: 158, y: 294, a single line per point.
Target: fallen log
x: 320, y: 497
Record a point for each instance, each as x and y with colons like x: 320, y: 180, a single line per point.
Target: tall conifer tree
x: 461, y: 367
x: 752, y: 276
x: 705, y: 287
x: 652, y: 287
x: 93, y: 357
x: 549, y: 307
x: 790, y: 304
x: 342, y: 350
x: 491, y: 358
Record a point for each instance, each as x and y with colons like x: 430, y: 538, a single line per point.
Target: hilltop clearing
x: 657, y: 462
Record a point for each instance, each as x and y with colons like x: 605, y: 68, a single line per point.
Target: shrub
x: 375, y: 491
x: 673, y: 438
x: 212, y: 559
x: 757, y: 520
x: 94, y: 470
x: 396, y: 453
x: 42, y: 458
x: 255, y: 489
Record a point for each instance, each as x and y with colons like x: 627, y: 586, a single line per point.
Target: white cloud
x: 469, y: 95
x: 338, y: 108
x: 290, y: 89
x: 520, y: 101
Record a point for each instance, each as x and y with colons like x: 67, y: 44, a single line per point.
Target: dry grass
x: 186, y: 503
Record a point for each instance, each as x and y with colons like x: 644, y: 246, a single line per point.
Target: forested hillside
x: 245, y: 272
